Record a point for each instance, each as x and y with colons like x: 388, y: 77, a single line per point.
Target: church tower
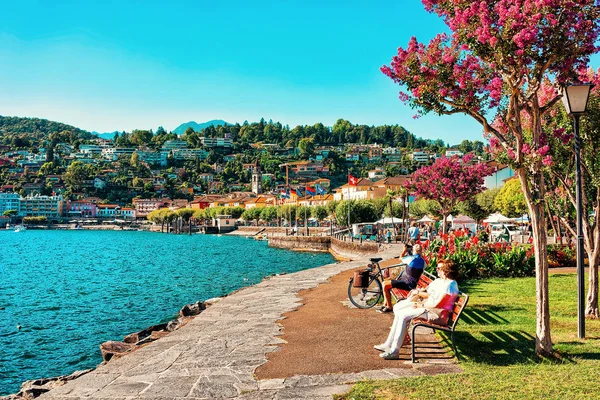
x: 256, y: 179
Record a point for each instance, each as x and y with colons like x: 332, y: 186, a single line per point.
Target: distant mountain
x: 180, y: 130
x: 105, y: 135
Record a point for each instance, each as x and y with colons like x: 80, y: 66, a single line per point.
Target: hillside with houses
x: 61, y: 172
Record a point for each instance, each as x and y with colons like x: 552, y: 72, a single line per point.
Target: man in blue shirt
x: 413, y: 231
x: 408, y: 279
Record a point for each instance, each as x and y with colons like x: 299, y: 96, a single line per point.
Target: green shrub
x: 477, y: 259
x: 562, y: 256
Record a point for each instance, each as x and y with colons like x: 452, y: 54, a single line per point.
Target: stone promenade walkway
x: 214, y: 356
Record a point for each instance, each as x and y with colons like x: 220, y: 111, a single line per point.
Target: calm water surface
x: 72, y: 290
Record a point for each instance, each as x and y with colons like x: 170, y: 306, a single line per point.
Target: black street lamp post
x: 575, y: 98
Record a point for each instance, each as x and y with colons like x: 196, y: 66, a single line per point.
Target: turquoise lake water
x: 72, y: 290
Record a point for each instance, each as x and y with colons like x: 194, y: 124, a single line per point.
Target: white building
x: 391, y: 150
x: 41, y: 206
x: 453, y: 152
x: 217, y: 142
x: 420, y: 156
x: 63, y: 148
x: 190, y: 154
x: 170, y: 145
x: 352, y: 156
x: 361, y: 191
x: 206, y: 177
x: 90, y: 149
x: 113, y: 153
x: 154, y: 157
x: 10, y: 201
x: 40, y: 157
x: 128, y: 213
x: 108, y: 210
x: 377, y: 173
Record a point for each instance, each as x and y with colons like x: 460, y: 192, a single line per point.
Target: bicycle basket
x: 361, y: 278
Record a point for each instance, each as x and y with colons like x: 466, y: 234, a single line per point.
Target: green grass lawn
x: 495, y: 338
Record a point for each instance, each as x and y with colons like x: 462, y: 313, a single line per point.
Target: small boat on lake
x: 19, y: 228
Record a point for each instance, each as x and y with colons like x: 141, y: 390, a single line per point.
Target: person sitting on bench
x: 433, y: 304
x: 408, y: 279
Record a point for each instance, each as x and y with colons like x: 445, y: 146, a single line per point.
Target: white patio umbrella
x: 496, y: 218
x: 389, y: 220
x: 426, y: 219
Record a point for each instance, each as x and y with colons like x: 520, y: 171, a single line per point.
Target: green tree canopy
x: 510, y: 200
x: 320, y: 213
x: 360, y: 211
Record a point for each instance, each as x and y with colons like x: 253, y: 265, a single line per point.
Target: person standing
x: 413, y: 231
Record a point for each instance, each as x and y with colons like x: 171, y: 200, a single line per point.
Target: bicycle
x: 368, y: 296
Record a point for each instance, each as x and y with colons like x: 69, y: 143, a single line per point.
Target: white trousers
x: 404, y: 312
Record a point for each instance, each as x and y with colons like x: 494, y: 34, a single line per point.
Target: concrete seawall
x: 275, y: 231
x: 352, y: 250
x: 340, y: 248
x: 311, y: 243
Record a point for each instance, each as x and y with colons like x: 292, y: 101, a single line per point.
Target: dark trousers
x: 398, y: 284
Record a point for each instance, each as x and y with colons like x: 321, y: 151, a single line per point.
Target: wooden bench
x: 424, y: 281
x: 459, y: 306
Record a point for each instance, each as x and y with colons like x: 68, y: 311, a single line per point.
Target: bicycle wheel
x: 365, y: 297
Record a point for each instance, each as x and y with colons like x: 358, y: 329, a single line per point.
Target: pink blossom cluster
x: 525, y: 28
x: 449, y: 180
x: 442, y: 70
x: 491, y: 39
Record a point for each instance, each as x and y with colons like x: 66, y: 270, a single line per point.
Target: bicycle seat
x: 375, y: 259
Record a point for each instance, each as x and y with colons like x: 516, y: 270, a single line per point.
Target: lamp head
x: 575, y: 98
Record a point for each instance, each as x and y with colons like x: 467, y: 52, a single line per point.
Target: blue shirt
x: 413, y: 232
x: 413, y: 270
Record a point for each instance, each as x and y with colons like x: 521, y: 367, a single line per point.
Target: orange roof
x: 392, y: 180
x: 361, y: 182
x: 108, y: 206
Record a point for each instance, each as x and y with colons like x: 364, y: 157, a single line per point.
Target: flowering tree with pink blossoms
x: 449, y: 181
x: 491, y: 67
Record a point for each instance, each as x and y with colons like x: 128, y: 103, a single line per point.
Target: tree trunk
x: 591, y: 308
x: 444, y: 223
x: 554, y: 226
x: 543, y: 341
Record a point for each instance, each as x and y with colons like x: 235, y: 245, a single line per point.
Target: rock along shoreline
x: 114, y: 349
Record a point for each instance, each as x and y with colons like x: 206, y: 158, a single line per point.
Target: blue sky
x: 122, y: 65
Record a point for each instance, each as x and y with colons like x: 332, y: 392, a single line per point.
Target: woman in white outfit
x: 433, y: 304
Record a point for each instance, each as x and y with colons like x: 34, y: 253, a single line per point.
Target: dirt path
x: 325, y: 336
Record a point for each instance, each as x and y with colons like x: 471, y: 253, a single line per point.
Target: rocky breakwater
x: 133, y: 341
x: 113, y: 350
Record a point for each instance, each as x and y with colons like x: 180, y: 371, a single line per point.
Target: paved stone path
x: 214, y: 356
